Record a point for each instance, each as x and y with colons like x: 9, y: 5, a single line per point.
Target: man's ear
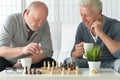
x: 100, y: 13
x: 27, y: 11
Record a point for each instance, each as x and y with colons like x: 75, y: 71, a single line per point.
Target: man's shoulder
x: 81, y: 25
x: 111, y: 20
x: 14, y: 16
x: 112, y: 23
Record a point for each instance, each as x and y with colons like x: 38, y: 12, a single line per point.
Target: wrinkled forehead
x: 87, y: 8
x: 40, y: 13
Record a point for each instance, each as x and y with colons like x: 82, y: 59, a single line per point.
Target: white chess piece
x: 44, y: 64
x: 51, y: 72
x: 56, y: 65
x: 63, y: 71
x: 41, y: 51
x: 53, y: 64
x: 77, y: 70
x: 48, y: 67
x: 68, y: 72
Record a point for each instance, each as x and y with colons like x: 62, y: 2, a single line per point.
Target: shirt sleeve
x: 46, y: 41
x: 6, y: 32
x: 116, y: 35
x: 78, y: 37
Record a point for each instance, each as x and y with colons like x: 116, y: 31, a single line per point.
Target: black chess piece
x: 26, y: 72
x: 30, y: 71
x: 61, y: 66
x: 65, y: 65
x: 69, y: 65
x: 39, y: 72
x: 34, y: 72
x: 74, y: 65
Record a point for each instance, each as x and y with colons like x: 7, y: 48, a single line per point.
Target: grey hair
x: 97, y: 4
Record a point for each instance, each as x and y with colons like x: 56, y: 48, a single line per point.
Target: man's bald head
x: 36, y: 14
x: 37, y: 5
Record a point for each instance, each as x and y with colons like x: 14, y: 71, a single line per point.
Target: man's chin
x: 87, y: 26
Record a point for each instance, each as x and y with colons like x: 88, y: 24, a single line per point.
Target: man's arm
x: 79, y: 50
x: 9, y: 52
x: 37, y: 58
x: 78, y: 46
x: 112, y: 45
x: 46, y: 45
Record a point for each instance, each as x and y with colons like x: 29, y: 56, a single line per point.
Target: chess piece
x: 44, y: 65
x: 65, y: 65
x: 30, y: 71
x: 56, y: 65
x: 61, y: 66
x: 53, y: 64
x: 39, y: 72
x: 26, y: 71
x: 34, y: 70
x: 69, y: 65
x: 68, y: 71
x: 51, y: 72
x: 63, y: 71
x: 77, y: 70
x: 74, y: 65
x: 48, y: 68
x: 94, y: 71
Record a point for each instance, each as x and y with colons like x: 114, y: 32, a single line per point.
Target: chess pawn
x: 63, y: 71
x: 74, y: 65
x: 34, y: 70
x: 68, y: 71
x: 30, y: 71
x: 77, y: 70
x: 51, y: 72
x: 26, y: 71
x: 56, y: 65
x: 61, y: 66
x: 39, y: 72
x: 53, y: 64
x: 94, y: 71
x: 44, y: 64
x: 48, y: 68
x: 69, y: 65
x: 65, y: 65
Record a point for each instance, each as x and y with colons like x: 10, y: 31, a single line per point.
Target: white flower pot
x: 94, y: 66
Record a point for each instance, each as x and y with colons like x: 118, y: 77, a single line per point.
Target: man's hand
x: 17, y: 65
x: 32, y: 48
x: 79, y: 50
x: 97, y: 27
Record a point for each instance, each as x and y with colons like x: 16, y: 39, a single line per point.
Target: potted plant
x: 93, y: 56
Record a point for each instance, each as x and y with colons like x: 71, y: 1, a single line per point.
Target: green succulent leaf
x: 94, y: 54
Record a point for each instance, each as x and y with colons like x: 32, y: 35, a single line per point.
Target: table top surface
x: 104, y: 72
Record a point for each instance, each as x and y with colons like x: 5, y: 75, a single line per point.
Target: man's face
x: 36, y: 20
x: 88, y: 15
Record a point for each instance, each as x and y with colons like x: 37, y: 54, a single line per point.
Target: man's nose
x: 84, y: 18
x: 40, y: 23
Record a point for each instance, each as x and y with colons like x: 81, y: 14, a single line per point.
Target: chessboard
x: 63, y: 69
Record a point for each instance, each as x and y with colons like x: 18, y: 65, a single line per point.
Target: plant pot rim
x: 94, y: 61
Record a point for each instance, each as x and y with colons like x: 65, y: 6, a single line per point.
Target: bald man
x: 26, y: 35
